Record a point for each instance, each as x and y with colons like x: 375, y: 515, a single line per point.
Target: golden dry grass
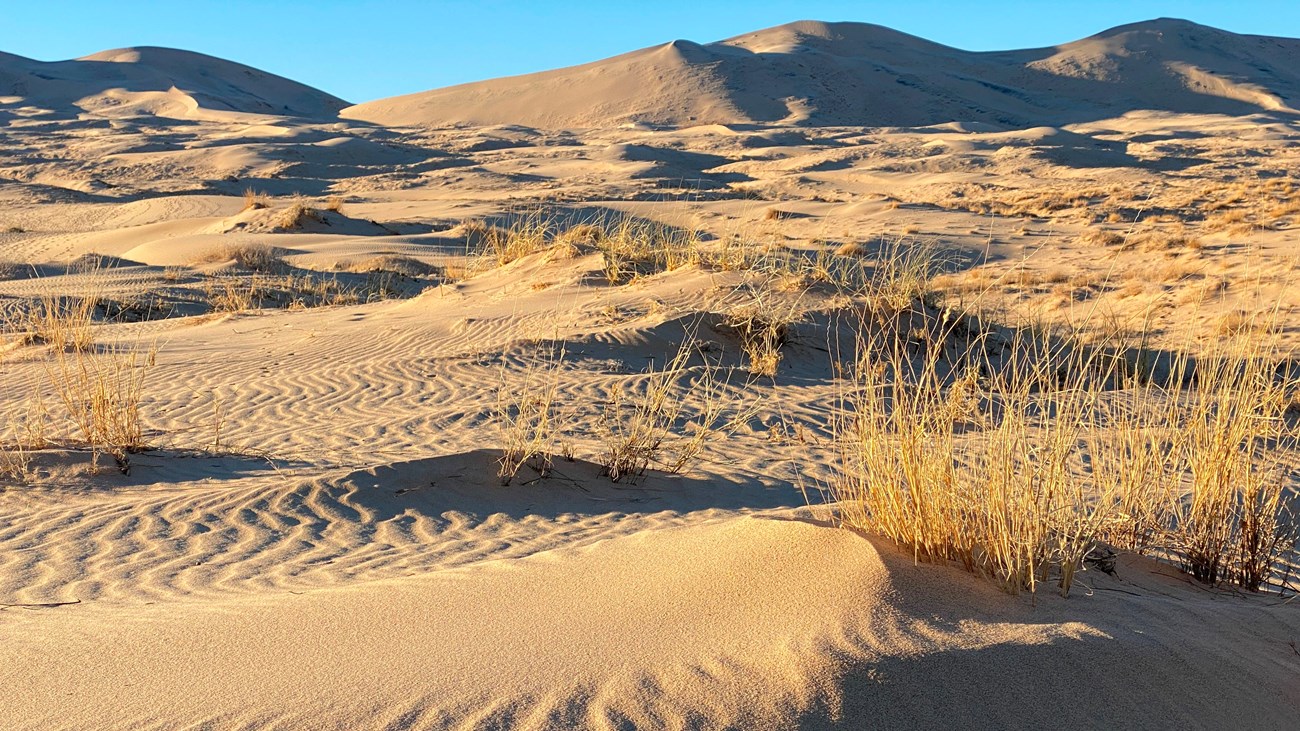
x: 254, y: 201
x: 1021, y: 465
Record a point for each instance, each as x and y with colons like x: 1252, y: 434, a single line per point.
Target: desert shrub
x: 254, y: 201
x: 762, y: 320
x: 295, y: 216
x: 252, y: 257
x: 1019, y: 469
x: 527, y: 416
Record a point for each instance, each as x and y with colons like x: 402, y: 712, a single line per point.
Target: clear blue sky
x: 366, y: 49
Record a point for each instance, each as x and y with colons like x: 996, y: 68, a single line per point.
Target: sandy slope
x: 162, y: 82
x: 318, y: 537
x: 667, y: 627
x: 812, y: 73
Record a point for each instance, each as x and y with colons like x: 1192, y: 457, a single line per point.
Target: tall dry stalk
x: 101, y: 394
x: 527, y: 416
x: 1071, y: 450
x: 666, y: 422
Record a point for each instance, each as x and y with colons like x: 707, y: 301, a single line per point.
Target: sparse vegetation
x: 528, y: 417
x: 255, y: 201
x: 101, y: 394
x: 295, y: 215
x: 762, y: 322
x: 662, y: 422
x: 252, y: 257
x: 1020, y: 456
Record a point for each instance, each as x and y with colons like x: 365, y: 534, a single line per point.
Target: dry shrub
x: 666, y: 420
x: 101, y: 394
x: 635, y: 247
x: 252, y: 257
x: 528, y: 235
x: 255, y: 201
x: 24, y: 433
x: 295, y: 216
x: 405, y: 266
x: 1024, y: 477
x: 665, y: 423
x: 1000, y: 499
x: 334, y: 203
x: 527, y: 416
x: 64, y: 322
x: 1101, y: 237
x: 762, y: 321
x: 629, y: 247
x: 1198, y: 473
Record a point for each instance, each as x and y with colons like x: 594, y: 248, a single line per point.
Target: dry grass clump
x: 776, y: 214
x: 528, y: 417
x: 981, y: 480
x: 763, y: 321
x: 405, y: 266
x: 1039, y: 202
x: 252, y: 257
x: 629, y: 247
x: 664, y: 422
x: 298, y: 291
x: 101, y: 394
x: 1020, y: 457
x: 255, y: 201
x: 334, y: 203
x: 1101, y: 237
x: 100, y: 388
x: 64, y: 322
x: 528, y: 235
x: 1198, y: 472
x: 636, y: 247
x: 295, y: 216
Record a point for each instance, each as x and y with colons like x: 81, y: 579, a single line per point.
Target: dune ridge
x: 855, y: 74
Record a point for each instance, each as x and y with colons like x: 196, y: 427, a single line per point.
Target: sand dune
x: 811, y: 73
x: 152, y: 81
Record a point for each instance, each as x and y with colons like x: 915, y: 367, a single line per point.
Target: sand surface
x: 317, y: 536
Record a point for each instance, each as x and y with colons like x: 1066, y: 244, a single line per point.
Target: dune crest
x: 857, y: 74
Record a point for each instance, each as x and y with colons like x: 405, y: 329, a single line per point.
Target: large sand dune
x: 811, y: 73
x: 154, y: 81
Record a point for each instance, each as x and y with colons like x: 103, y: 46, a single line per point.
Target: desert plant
x: 762, y: 321
x: 101, y: 395
x: 983, y: 481
x: 253, y: 257
x: 254, y: 200
x: 295, y: 215
x: 64, y: 322
x: 527, y: 416
x: 663, y: 422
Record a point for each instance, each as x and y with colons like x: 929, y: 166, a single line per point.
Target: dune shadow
x: 1106, y: 657
x: 468, y: 483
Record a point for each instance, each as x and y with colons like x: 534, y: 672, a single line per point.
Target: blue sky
x: 366, y: 49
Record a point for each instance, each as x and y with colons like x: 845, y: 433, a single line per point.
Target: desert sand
x: 315, y: 534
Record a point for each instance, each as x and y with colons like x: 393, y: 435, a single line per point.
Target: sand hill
x: 814, y: 73
x: 154, y: 81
